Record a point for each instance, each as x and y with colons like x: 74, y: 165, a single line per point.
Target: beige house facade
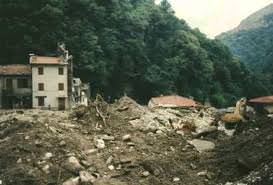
x: 50, y: 82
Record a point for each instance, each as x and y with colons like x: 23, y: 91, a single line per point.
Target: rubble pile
x: 167, y: 119
x: 125, y: 143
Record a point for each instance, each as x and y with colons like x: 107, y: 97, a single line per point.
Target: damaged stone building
x: 15, y: 86
x: 45, y: 83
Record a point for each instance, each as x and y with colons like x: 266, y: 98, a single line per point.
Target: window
x: 61, y: 70
x: 9, y: 83
x: 41, y: 87
x: 22, y: 83
x: 61, y: 86
x: 41, y: 101
x: 40, y: 71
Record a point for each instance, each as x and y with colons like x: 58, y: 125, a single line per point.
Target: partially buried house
x: 264, y: 103
x: 46, y: 83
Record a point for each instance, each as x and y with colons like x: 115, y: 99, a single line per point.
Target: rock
x: 202, y: 145
x: 86, y: 177
x: 205, y: 130
x: 111, y: 167
x: 109, y: 160
x: 62, y: 143
x: 99, y: 143
x: 85, y: 163
x: 159, y: 132
x: 179, y: 132
x: 46, y: 169
x: 72, y: 164
x: 176, y: 179
x: 48, y: 155
x: 206, y: 174
x: 131, y: 144
x: 126, y: 159
x: 126, y: 138
x: 145, y: 174
x: 107, y: 138
x: 202, y: 173
x: 72, y: 181
x: 38, y: 143
x: 19, y: 161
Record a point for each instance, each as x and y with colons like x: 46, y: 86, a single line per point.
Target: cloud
x: 216, y: 16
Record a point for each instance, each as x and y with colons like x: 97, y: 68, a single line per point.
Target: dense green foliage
x: 254, y: 47
x: 126, y: 46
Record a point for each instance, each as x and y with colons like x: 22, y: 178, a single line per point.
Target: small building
x: 46, y: 83
x: 263, y: 103
x: 15, y: 86
x: 171, y: 101
x: 50, y: 78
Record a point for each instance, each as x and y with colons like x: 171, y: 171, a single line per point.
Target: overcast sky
x: 213, y: 17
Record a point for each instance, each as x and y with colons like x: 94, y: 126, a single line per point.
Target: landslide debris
x: 126, y: 143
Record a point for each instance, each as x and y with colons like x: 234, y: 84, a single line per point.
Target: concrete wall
x: 269, y: 108
x: 51, y: 79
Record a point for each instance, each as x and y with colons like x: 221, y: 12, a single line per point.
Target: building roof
x: 265, y: 99
x: 15, y: 69
x: 174, y: 101
x: 45, y: 60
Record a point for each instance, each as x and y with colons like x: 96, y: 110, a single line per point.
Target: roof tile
x: 176, y: 101
x: 264, y: 99
x: 15, y: 69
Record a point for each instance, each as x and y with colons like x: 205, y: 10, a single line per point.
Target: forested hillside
x: 252, y: 42
x: 126, y: 46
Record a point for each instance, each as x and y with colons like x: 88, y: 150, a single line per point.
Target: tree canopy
x: 126, y: 46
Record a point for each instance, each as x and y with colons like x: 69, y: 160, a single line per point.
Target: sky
x: 213, y: 17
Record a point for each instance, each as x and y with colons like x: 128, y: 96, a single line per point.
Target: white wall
x: 51, y: 79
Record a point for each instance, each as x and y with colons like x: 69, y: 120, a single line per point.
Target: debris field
x: 125, y: 143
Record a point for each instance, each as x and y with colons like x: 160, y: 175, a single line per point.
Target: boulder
x: 202, y: 145
x: 72, y: 164
x: 86, y: 177
x: 99, y: 143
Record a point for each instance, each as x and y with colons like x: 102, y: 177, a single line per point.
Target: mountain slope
x: 252, y: 40
x: 128, y: 47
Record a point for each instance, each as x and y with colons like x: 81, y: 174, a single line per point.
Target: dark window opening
x: 61, y: 86
x: 41, y: 87
x: 41, y: 101
x: 61, y: 70
x: 22, y: 83
x: 9, y: 83
x: 40, y: 70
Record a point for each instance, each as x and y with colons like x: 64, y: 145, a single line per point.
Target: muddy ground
x: 45, y: 147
